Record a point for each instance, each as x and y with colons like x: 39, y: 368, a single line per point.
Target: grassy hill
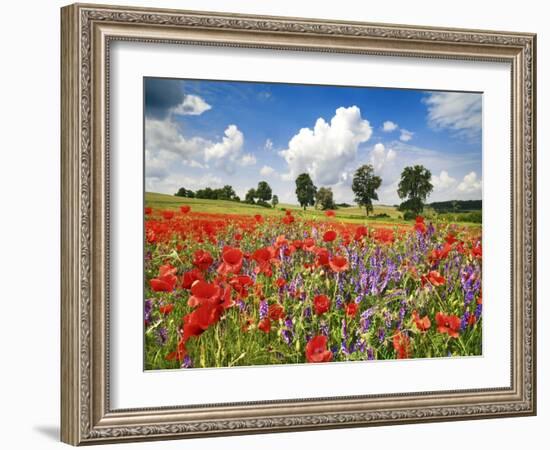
x: 351, y: 214
x: 386, y: 214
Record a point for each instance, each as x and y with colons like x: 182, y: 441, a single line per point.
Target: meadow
x: 231, y: 284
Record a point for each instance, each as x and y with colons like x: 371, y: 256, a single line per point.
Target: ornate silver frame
x: 86, y: 32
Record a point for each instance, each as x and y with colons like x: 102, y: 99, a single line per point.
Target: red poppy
x: 168, y: 215
x: 164, y: 283
x: 451, y: 239
x: 280, y: 282
x: 339, y: 263
x: 166, y: 309
x: 420, y: 226
x: 265, y: 325
x: 309, y: 244
x: 281, y: 241
x: 297, y: 244
x: 203, y: 292
x: 238, y: 237
x: 190, y: 277
x: 167, y: 269
x: 197, y: 321
x: 402, y: 345
x: 232, y: 261
x: 263, y: 257
x: 185, y: 209
x: 351, y: 309
x: 329, y: 236
x: 423, y: 324
x: 316, y: 350
x: 288, y: 219
x: 148, y: 210
x: 360, y: 232
x: 321, y: 303
x: 447, y: 324
x: 434, y: 278
x: 384, y: 235
x: 276, y: 311
x: 240, y: 284
x: 472, y: 320
x: 202, y: 259
x: 477, y: 251
x: 330, y: 213
x: 322, y: 258
x: 258, y: 218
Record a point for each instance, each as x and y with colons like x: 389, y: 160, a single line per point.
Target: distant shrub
x: 380, y: 216
x: 409, y: 215
x: 263, y: 203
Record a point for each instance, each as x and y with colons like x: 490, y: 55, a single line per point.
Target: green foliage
x: 275, y: 201
x: 182, y: 192
x: 305, y: 190
x: 415, y: 186
x: 457, y: 206
x: 364, y: 186
x: 324, y: 199
x: 250, y: 196
x: 263, y: 191
x: 409, y: 215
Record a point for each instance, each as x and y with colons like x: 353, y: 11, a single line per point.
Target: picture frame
x: 87, y: 33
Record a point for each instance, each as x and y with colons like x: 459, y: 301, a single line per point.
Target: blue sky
x: 210, y: 133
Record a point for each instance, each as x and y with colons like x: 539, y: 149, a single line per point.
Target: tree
x: 364, y: 186
x: 250, y: 196
x: 324, y: 199
x: 182, y: 192
x: 263, y: 192
x: 415, y: 187
x: 305, y: 190
x: 226, y: 193
x: 275, y: 201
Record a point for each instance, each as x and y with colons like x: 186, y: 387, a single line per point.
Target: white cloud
x: 470, y: 184
x: 326, y: 150
x: 379, y: 157
x: 442, y: 181
x: 230, y: 146
x: 247, y: 160
x: 163, y: 137
x: 267, y: 171
x: 406, y: 135
x: 174, y: 181
x: 389, y: 126
x: 457, y: 111
x: 268, y: 145
x: 192, y: 105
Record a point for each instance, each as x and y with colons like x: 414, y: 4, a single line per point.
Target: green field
x: 351, y: 214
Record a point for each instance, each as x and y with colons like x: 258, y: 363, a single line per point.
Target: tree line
x: 414, y: 188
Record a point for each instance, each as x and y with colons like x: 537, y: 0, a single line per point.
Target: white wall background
x: 29, y: 224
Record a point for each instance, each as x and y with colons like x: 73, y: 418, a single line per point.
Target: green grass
x: 351, y: 214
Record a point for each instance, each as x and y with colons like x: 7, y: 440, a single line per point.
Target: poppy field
x: 224, y: 290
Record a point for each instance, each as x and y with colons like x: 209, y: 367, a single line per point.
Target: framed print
x: 282, y: 224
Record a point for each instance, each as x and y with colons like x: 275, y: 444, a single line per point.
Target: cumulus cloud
x: 268, y: 145
x: 389, y: 126
x: 174, y: 181
x: 470, y: 184
x: 192, y: 105
x: 247, y: 160
x: 326, y: 150
x: 163, y: 139
x: 406, y: 135
x: 442, y: 181
x: 379, y: 157
x: 457, y: 111
x: 267, y: 171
